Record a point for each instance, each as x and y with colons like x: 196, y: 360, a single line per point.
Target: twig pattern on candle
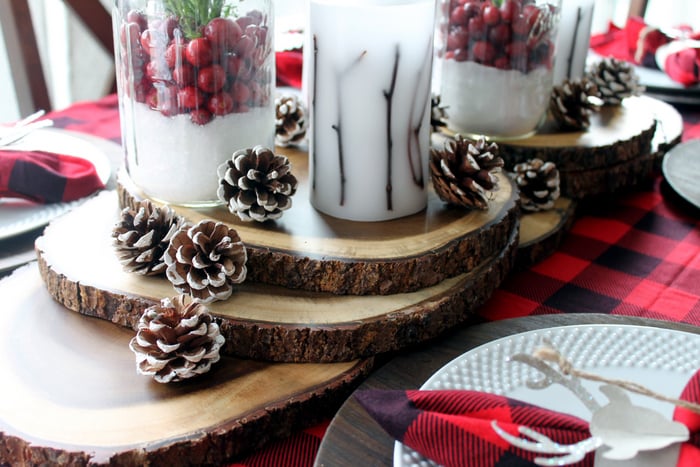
x: 370, y: 107
x: 389, y: 95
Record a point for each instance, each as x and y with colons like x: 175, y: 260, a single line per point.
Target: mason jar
x: 497, y: 61
x: 196, y: 83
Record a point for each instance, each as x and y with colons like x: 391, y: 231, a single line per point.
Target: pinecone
x: 538, y: 182
x: 290, y: 120
x: 256, y: 184
x: 176, y: 340
x: 572, y: 103
x: 205, y: 260
x: 463, y: 173
x: 142, y: 235
x: 438, y: 115
x: 615, y: 80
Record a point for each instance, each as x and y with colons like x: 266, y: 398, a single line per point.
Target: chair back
x: 23, y: 50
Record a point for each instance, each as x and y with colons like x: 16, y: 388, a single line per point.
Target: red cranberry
x: 137, y: 16
x: 174, y: 54
x: 168, y: 26
x: 130, y: 34
x: 198, y: 52
x: 183, y: 74
x: 484, y: 52
x: 500, y: 34
x: 477, y: 28
x: 458, y: 16
x: 240, y: 93
x: 201, y: 116
x: 157, y: 70
x: 222, y: 34
x: 458, y: 38
x: 152, y: 39
x: 220, y: 103
x: 491, y: 15
x: 244, y: 47
x: 240, y: 68
x: 189, y: 98
x: 510, y: 10
x: 502, y: 63
x: 211, y: 79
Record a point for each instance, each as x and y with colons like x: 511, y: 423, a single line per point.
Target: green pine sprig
x: 195, y: 14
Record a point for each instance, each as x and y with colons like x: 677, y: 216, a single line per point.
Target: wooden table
x: 354, y: 438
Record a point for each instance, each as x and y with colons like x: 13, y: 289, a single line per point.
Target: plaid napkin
x: 453, y: 427
x: 638, y: 42
x: 289, y: 65
x: 46, y: 177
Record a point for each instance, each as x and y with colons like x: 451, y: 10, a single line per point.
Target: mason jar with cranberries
x: 496, y: 64
x: 196, y: 83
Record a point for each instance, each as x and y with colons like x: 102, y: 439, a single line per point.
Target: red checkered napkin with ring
x: 456, y: 427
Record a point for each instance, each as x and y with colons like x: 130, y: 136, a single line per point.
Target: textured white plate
x: 661, y: 359
x: 17, y: 215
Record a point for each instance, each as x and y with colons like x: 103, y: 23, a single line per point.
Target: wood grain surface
x: 261, y: 321
x: 618, y: 152
x: 71, y: 394
x: 542, y: 232
x: 354, y: 438
x: 306, y: 249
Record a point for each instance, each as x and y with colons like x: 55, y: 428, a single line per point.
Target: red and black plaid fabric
x: 46, y: 177
x: 635, y: 254
x: 453, y: 427
x: 638, y: 42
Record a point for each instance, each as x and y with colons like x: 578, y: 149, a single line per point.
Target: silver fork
x: 23, y: 127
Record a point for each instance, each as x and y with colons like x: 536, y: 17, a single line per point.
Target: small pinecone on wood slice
x: 142, y: 235
x: 290, y: 121
x: 206, y: 260
x: 463, y: 174
x: 538, y: 182
x: 615, y: 80
x: 438, y: 115
x: 572, y: 103
x: 256, y: 184
x: 176, y: 340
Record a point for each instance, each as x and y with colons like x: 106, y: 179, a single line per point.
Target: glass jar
x: 196, y: 83
x: 369, y: 76
x: 497, y: 60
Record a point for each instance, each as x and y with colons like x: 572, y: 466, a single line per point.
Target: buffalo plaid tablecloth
x: 636, y: 254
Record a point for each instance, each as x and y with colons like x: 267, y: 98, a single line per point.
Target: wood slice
x: 616, y: 134
x: 71, y: 395
x: 669, y: 126
x: 612, y: 179
x: 260, y: 321
x: 308, y: 250
x: 542, y: 232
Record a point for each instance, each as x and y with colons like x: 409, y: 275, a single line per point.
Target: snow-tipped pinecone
x: 615, y: 79
x: 142, y: 235
x: 290, y: 120
x: 256, y: 184
x: 572, y: 103
x: 538, y: 182
x: 176, y: 340
x: 438, y: 114
x: 206, y: 260
x: 463, y: 174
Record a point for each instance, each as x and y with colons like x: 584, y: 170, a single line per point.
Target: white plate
x: 17, y: 215
x: 661, y: 359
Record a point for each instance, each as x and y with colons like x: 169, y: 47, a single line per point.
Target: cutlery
x: 23, y: 127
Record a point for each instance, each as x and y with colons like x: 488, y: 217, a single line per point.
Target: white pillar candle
x: 369, y: 100
x: 573, y: 40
